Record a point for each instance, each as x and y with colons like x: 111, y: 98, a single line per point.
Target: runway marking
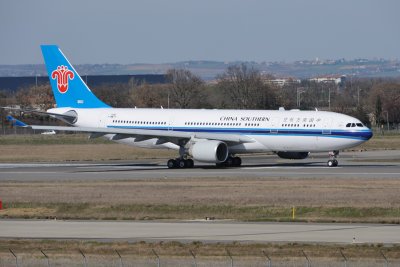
x: 288, y: 167
x: 40, y: 165
x: 125, y: 167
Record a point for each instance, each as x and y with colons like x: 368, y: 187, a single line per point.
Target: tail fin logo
x: 62, y: 74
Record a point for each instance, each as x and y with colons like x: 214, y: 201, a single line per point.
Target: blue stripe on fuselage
x: 360, y: 134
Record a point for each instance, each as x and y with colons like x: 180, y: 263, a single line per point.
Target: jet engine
x: 210, y: 151
x: 293, y: 155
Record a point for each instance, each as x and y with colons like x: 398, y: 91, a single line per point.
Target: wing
x: 140, y: 134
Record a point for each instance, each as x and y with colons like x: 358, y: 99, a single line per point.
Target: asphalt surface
x: 374, y: 164
x: 208, y: 231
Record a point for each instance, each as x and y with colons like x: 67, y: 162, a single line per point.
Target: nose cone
x: 368, y: 134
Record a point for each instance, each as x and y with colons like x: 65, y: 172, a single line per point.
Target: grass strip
x: 57, y: 139
x: 190, y: 212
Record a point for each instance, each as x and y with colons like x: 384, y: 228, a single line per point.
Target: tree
x: 151, y: 95
x: 246, y: 89
x: 35, y: 96
x: 115, y: 95
x: 385, y: 97
x: 184, y: 87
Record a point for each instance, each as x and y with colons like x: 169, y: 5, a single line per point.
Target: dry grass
x: 383, y: 192
x: 81, y: 152
x: 76, y: 147
x: 382, y: 142
x: 367, y: 200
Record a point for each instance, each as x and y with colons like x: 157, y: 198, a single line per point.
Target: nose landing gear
x: 333, y: 162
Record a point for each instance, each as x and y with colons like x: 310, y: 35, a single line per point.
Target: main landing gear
x: 180, y: 163
x: 231, y: 162
x: 332, y: 162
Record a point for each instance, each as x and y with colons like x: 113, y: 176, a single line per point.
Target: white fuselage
x: 293, y: 130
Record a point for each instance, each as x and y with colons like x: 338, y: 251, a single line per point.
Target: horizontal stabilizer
x: 16, y: 122
x: 69, y: 117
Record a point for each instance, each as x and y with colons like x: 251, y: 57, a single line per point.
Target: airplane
x: 214, y: 136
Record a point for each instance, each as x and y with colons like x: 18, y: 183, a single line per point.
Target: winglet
x: 16, y: 122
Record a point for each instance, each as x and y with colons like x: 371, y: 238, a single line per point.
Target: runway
x: 207, y: 231
x: 374, y: 164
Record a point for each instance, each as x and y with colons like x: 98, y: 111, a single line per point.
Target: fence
x: 153, y: 258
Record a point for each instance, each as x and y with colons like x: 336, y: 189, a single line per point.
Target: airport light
x: 299, y: 90
x: 387, y: 118
x: 329, y: 97
x: 358, y: 96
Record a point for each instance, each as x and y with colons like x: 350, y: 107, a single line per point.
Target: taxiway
x: 210, y: 231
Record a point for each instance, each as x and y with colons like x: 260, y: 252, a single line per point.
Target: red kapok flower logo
x: 62, y: 73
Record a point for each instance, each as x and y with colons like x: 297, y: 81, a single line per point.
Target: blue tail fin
x: 68, y: 87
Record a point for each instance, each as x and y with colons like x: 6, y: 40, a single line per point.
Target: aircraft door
x: 171, y: 124
x: 326, y: 126
x: 274, y: 123
x: 106, y: 120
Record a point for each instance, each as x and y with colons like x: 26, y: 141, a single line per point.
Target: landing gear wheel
x: 189, y: 163
x: 182, y: 163
x: 230, y: 162
x: 171, y: 164
x: 332, y: 163
x: 237, y: 161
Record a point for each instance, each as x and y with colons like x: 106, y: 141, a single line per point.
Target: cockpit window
x: 358, y: 124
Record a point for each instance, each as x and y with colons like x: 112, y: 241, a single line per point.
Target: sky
x: 167, y: 31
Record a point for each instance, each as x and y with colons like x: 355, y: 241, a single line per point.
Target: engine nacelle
x: 210, y: 151
x: 293, y: 155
